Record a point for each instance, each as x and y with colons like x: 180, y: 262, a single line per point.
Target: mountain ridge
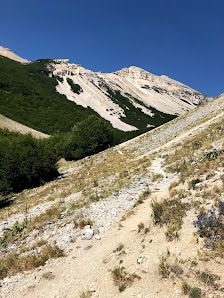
x: 131, y: 99
x: 141, y: 88
x: 11, y: 55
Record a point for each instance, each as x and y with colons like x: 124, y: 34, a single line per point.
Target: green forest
x: 26, y: 162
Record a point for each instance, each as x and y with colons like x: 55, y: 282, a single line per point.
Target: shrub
x: 16, y: 231
x: 194, y: 182
x: 191, y: 292
x: 88, y: 137
x: 122, y: 278
x: 171, y: 213
x: 211, y: 224
x: 208, y: 278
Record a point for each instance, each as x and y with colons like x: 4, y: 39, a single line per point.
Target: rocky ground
x: 101, y: 215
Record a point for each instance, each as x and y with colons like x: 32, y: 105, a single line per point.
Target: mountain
x: 9, y: 54
x: 121, y: 97
x: 53, y: 95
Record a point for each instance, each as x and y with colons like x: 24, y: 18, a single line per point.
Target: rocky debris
x: 139, y: 260
x: 87, y: 234
x: 87, y: 247
x: 161, y: 135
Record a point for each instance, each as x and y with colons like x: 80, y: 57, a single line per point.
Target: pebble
x: 87, y: 247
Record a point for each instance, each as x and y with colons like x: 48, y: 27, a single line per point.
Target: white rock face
x: 9, y: 54
x: 143, y: 90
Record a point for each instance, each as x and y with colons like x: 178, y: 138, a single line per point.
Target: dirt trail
x: 90, y: 270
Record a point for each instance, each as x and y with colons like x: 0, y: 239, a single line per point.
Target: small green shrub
x: 191, y: 292
x: 194, y: 182
x: 122, y: 278
x: 208, y: 278
x: 164, y: 267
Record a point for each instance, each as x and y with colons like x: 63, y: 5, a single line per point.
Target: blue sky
x: 182, y: 39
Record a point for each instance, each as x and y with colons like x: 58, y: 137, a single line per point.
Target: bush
x: 170, y: 213
x: 122, y: 278
x: 88, y: 137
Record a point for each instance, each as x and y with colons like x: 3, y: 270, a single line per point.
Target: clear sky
x: 179, y: 38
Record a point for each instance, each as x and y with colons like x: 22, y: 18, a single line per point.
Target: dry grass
x: 170, y: 212
x: 48, y: 275
x: 156, y: 177
x: 14, y: 263
x: 122, y: 278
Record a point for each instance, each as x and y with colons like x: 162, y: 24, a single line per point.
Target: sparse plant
x: 141, y: 226
x: 13, y: 263
x: 122, y: 278
x: 212, y: 155
x: 191, y: 292
x: 170, y: 213
x: 86, y: 294
x: 164, y: 267
x: 139, y: 202
x: 48, y: 275
x: 125, y: 216
x: 81, y: 223
x: 208, y: 278
x: 176, y: 269
x: 146, y: 193
x: 156, y: 177
x: 173, y: 184
x: 119, y: 248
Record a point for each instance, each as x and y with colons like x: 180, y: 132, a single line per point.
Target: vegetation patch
x: 208, y: 279
x: 210, y: 226
x: 25, y: 162
x: 14, y: 263
x: 170, y: 213
x: 122, y: 278
x: 192, y: 292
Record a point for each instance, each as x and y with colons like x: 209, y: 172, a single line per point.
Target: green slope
x: 28, y: 96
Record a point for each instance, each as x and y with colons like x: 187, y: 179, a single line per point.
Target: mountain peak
x: 9, y: 54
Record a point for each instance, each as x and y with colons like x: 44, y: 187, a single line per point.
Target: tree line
x: 26, y: 162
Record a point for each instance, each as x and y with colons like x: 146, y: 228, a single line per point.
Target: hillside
x: 15, y: 126
x: 122, y: 220
x: 52, y: 96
